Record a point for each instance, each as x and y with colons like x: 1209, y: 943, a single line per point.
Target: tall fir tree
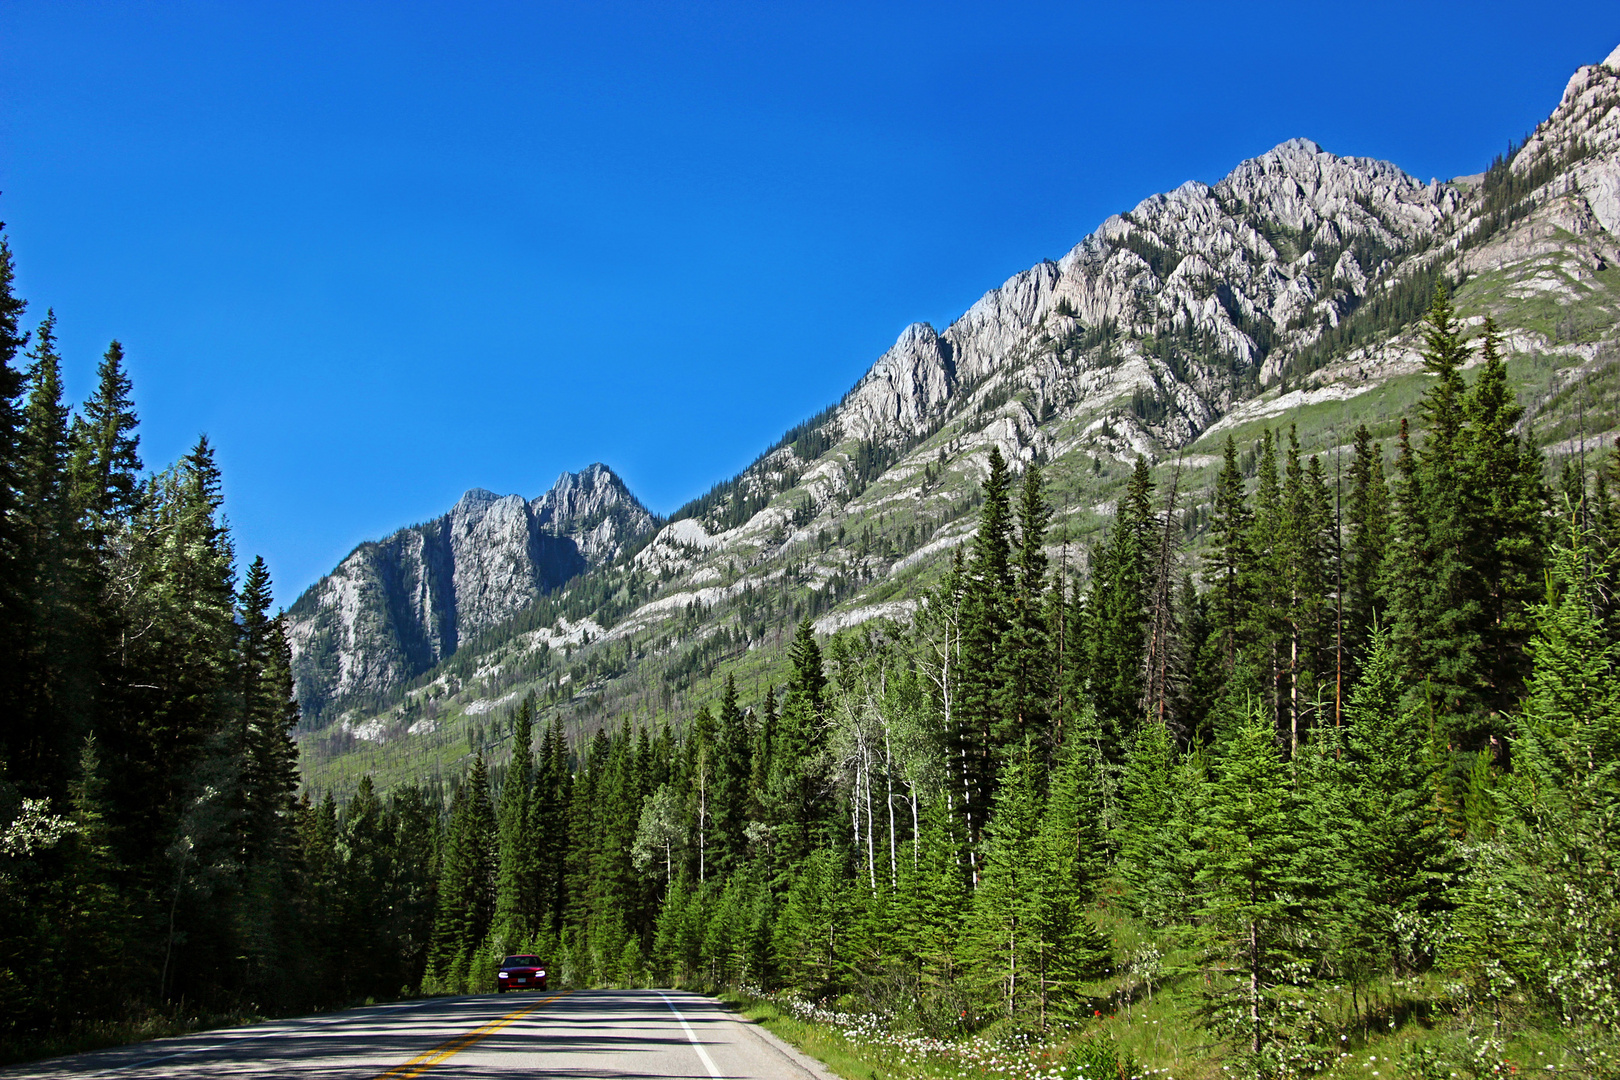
x: 516, y: 906
x: 1024, y: 661
x: 986, y: 600
x: 13, y: 605
x: 1367, y: 542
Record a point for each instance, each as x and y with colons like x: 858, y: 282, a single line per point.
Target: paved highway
x: 582, y: 1034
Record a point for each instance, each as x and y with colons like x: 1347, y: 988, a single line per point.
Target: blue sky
x: 382, y: 253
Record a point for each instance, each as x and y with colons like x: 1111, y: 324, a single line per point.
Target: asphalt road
x: 581, y: 1034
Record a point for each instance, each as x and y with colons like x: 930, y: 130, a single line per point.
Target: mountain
x: 396, y: 607
x: 1285, y: 293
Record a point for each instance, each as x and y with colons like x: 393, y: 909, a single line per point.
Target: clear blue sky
x: 382, y: 253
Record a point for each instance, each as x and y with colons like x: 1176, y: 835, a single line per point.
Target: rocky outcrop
x: 396, y: 607
x: 1269, y: 256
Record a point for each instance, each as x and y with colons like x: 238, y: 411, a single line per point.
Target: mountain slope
x: 395, y: 608
x: 1284, y: 293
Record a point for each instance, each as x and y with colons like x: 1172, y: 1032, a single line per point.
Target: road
x: 583, y: 1034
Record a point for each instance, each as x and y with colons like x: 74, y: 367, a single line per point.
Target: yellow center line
x: 451, y: 1047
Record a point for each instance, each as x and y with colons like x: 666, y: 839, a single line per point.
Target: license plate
x: 523, y: 980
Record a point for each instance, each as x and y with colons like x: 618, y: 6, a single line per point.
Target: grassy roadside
x: 1409, y: 1029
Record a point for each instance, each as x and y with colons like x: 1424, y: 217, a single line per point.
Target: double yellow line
x: 451, y: 1047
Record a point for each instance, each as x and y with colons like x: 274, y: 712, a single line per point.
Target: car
x: 520, y: 973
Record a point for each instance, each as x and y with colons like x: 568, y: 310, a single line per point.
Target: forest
x: 1368, y: 734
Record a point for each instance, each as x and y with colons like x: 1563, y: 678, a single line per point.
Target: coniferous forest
x: 1367, y: 737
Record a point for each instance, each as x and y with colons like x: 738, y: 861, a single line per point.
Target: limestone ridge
x: 1219, y: 263
x: 397, y: 606
x: 1273, y: 296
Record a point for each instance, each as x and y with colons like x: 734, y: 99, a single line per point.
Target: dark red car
x: 520, y: 973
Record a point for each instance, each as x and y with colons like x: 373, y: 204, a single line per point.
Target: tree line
x: 1369, y: 733
x: 153, y: 851
x: 1373, y: 738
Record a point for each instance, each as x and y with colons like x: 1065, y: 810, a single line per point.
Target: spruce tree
x: 986, y: 599
x: 467, y: 881
x: 50, y: 721
x: 1396, y: 842
x: 1230, y: 569
x: 1116, y: 616
x: 516, y: 906
x: 1367, y: 544
x: 933, y: 899
x: 14, y: 618
x: 1005, y: 933
x: 800, y: 784
x: 1023, y: 662
x: 1254, y: 877
x: 106, y: 462
x: 1541, y: 910
x: 733, y: 752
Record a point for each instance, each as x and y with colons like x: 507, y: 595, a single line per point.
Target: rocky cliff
x: 396, y: 607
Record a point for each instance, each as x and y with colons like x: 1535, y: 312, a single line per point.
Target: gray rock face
x: 1271, y: 254
x: 396, y: 607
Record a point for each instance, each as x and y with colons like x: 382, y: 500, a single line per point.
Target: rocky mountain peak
x: 396, y: 607
x: 596, y: 509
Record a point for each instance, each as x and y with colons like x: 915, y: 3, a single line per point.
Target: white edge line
x: 714, y: 1073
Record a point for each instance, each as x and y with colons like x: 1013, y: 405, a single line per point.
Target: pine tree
x: 1006, y: 939
x: 1230, y: 562
x: 1541, y: 912
x: 800, y: 784
x: 933, y: 899
x: 50, y: 720
x: 986, y: 599
x: 1147, y: 849
x: 1069, y: 948
x: 1367, y: 549
x: 1508, y: 540
x: 467, y: 880
x: 14, y: 608
x: 1267, y: 628
x: 1254, y: 880
x: 106, y: 462
x: 1116, y: 617
x: 733, y: 752
x: 1396, y: 842
x: 1023, y: 662
x: 516, y: 906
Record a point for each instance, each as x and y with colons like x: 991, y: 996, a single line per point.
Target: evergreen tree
x: 1541, y: 912
x: 1007, y: 943
x: 1254, y: 880
x: 515, y: 903
x: 986, y: 599
x: 800, y: 784
x: 467, y: 881
x: 1023, y: 676
x: 106, y: 462
x: 1367, y: 544
x: 1396, y: 842
x: 50, y: 721
x: 14, y: 618
x: 1116, y: 617
x: 733, y: 751
x: 1230, y: 561
x: 933, y: 899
